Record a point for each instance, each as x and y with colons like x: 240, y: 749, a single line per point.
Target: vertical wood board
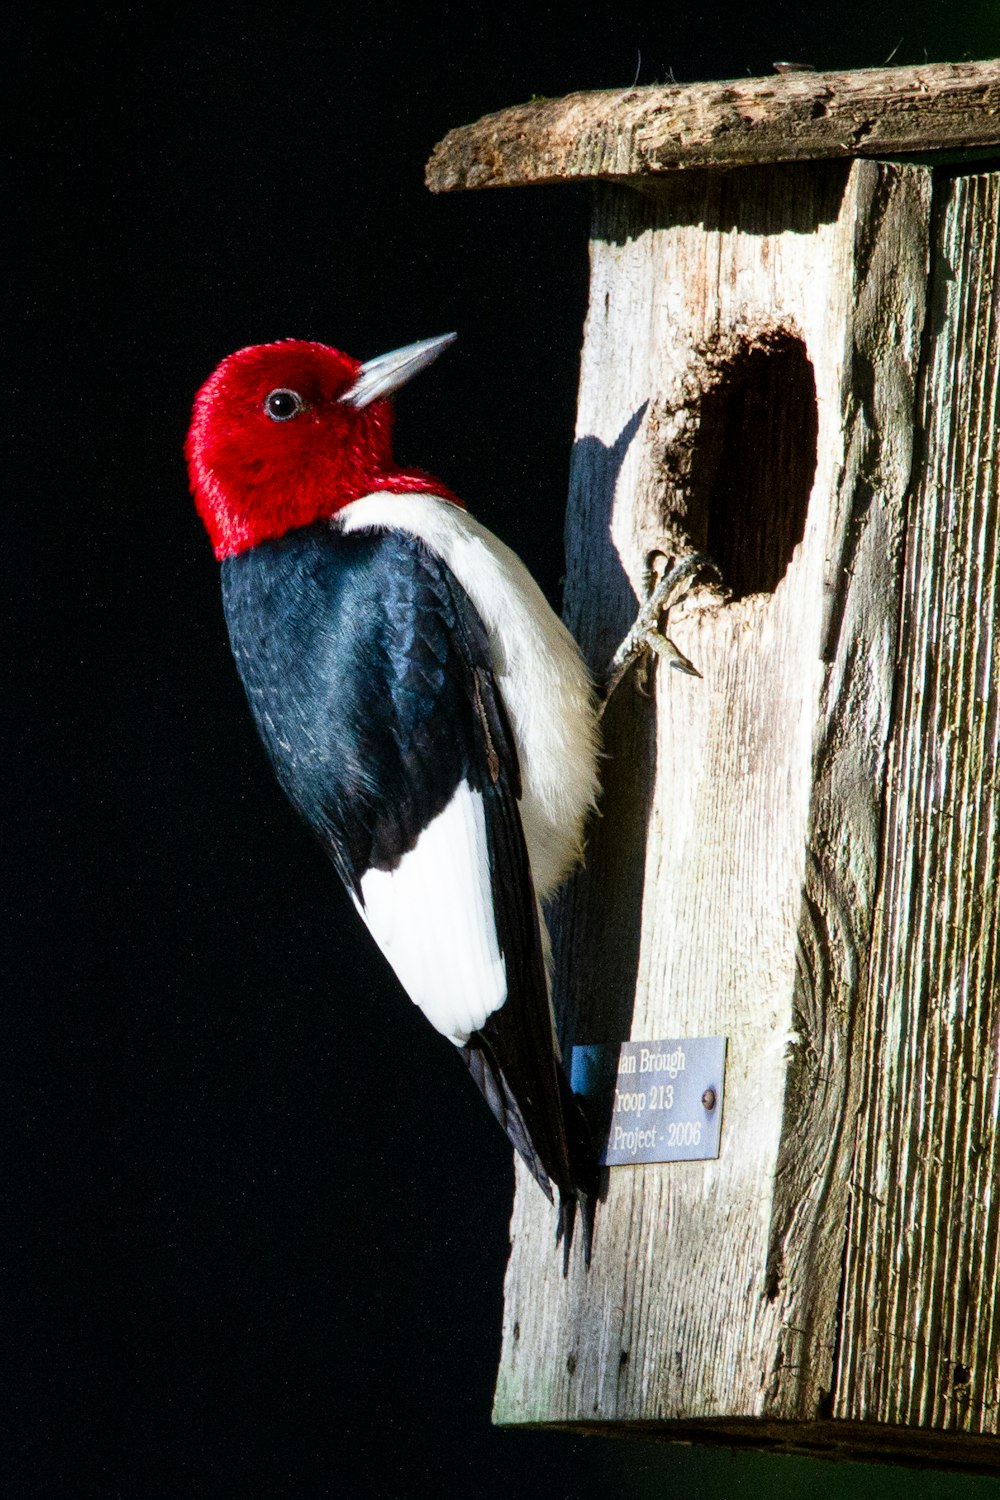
x: 730, y: 880
x: 922, y: 1315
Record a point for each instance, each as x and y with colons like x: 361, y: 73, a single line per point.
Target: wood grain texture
x: 792, y: 117
x: 731, y: 878
x: 921, y: 1341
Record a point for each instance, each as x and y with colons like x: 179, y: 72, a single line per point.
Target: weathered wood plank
x: 792, y: 117
x: 749, y: 362
x: 921, y: 1337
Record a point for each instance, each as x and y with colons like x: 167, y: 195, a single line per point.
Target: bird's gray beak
x: 380, y: 377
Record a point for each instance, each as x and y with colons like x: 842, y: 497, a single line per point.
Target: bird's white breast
x: 538, y: 668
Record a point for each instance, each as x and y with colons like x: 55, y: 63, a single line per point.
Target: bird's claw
x: 667, y: 651
x: 665, y: 588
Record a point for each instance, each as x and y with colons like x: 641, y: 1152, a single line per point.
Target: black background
x: 255, y: 1217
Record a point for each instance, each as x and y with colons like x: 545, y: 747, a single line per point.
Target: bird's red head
x: 286, y: 434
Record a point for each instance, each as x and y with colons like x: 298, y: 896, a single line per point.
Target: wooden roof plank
x: 644, y: 132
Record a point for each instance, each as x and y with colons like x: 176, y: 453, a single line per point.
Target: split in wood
x: 665, y: 587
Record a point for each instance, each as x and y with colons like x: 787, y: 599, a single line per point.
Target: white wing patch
x: 432, y: 916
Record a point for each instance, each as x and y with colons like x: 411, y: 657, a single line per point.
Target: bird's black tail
x: 585, y: 1174
x: 576, y: 1175
x: 495, y: 1090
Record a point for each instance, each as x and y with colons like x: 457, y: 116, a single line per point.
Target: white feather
x: 432, y: 916
x: 537, y: 665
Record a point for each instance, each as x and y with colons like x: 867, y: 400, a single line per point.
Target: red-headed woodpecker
x: 424, y: 709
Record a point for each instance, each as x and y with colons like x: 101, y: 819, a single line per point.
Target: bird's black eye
x: 282, y: 405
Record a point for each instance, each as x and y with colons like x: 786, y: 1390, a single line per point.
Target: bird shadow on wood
x: 597, y: 919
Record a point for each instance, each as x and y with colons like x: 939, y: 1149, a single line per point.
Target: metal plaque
x: 662, y: 1101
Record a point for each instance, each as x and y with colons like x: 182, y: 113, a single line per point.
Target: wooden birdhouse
x: 791, y: 362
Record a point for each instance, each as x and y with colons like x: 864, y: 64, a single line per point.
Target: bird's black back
x: 370, y: 677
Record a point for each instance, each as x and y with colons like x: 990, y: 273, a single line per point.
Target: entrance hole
x: 753, y: 460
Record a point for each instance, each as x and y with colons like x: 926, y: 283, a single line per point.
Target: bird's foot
x: 665, y: 587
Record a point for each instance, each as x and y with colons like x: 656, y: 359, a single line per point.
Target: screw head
x: 708, y: 1099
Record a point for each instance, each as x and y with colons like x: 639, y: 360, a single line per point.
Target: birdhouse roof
x: 789, y: 116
